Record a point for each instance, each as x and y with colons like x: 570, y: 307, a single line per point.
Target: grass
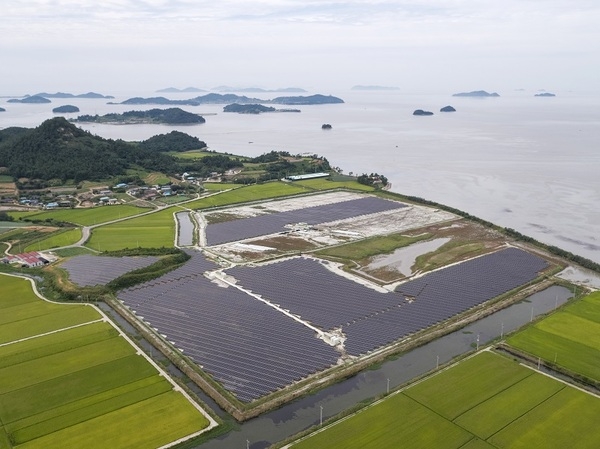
x: 327, y: 184
x: 70, y: 252
x: 372, y: 246
x: 150, y: 231
x: 87, y: 217
x: 486, y: 401
x: 66, y: 388
x: 570, y: 337
x: 61, y: 238
x: 448, y: 253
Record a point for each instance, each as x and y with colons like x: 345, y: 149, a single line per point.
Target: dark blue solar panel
x: 245, y: 228
x: 89, y: 270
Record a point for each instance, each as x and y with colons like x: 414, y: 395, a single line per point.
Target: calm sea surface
x: 520, y: 161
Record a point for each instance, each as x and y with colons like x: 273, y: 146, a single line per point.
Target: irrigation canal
x: 267, y: 429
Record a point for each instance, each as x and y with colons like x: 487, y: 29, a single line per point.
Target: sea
x: 520, y: 161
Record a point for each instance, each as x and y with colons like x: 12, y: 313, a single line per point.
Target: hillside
x: 170, y: 116
x: 58, y: 149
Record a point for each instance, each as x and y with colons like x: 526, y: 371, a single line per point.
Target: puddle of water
x: 403, y: 259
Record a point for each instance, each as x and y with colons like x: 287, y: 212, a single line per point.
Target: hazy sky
x: 114, y: 46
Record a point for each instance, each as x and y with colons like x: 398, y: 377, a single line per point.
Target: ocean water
x: 525, y: 162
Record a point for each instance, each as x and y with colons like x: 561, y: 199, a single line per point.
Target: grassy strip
x: 328, y: 184
x: 448, y: 253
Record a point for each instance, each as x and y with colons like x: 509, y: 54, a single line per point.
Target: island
x: 214, y: 98
x: 175, y: 90
x: 325, y: 126
x: 254, y: 109
x: 67, y: 108
x: 476, y: 93
x: 2, y: 110
x: 69, y: 95
x: 30, y: 99
x: 422, y: 112
x: 448, y: 109
x: 545, y: 94
x: 171, y: 116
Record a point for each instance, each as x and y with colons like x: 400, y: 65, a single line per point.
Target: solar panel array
x: 249, y: 347
x: 444, y: 293
x: 244, y: 228
x: 370, y: 319
x: 308, y: 289
x: 185, y: 235
x: 86, y: 270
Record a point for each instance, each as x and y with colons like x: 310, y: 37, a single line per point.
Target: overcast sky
x: 114, y: 46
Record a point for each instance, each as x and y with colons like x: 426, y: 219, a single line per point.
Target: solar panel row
x: 86, y: 270
x: 245, y: 228
x: 247, y: 346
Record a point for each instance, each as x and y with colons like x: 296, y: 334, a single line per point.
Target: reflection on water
x: 581, y: 276
x: 403, y: 259
x: 292, y: 418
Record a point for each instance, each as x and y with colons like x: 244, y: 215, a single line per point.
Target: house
x: 27, y: 260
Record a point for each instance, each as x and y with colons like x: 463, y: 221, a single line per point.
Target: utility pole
x: 321, y: 416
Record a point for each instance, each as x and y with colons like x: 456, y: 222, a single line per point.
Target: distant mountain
x: 422, y: 112
x: 171, y: 116
x: 34, y: 99
x: 448, y: 109
x: 545, y: 94
x: 374, y: 88
x: 175, y: 90
x: 159, y: 100
x: 476, y: 93
x: 69, y: 95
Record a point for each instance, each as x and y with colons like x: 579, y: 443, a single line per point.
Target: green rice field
x: 61, y: 238
x: 570, y: 338
x: 149, y: 231
x: 326, y: 184
x: 85, y: 217
x: 68, y: 379
x: 486, y: 401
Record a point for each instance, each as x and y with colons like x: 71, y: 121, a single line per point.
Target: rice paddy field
x: 57, y: 239
x: 66, y: 376
x: 486, y: 401
x: 85, y: 217
x: 569, y: 338
x: 149, y: 231
x: 326, y: 184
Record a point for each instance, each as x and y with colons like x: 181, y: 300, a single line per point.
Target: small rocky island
x: 545, y: 94
x: 254, y: 109
x: 2, y: 110
x: 171, y: 116
x: 326, y: 126
x: 476, y: 93
x: 448, y: 109
x: 422, y: 112
x: 66, y: 109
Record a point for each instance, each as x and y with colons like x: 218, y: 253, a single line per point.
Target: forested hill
x: 58, y: 149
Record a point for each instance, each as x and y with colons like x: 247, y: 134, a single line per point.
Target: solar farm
x: 89, y: 270
x: 263, y: 329
x: 67, y: 375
